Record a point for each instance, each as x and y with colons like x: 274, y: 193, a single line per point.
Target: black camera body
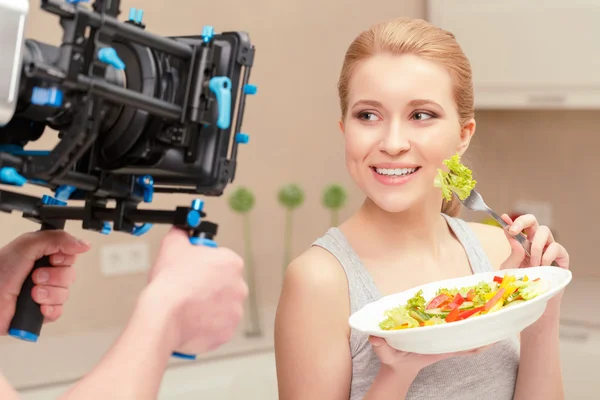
x: 137, y: 114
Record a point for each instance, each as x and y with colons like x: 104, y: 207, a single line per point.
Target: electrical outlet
x: 540, y: 209
x: 125, y: 258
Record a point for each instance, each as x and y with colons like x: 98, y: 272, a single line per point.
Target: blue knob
x: 64, y: 192
x: 250, y: 89
x: 147, y: 183
x: 193, y: 218
x: 207, y: 33
x: 77, y: 1
x: 221, y: 87
x: 10, y: 176
x: 46, y: 97
x: 242, y: 138
x: 140, y: 230
x: 106, y: 229
x: 51, y: 201
x: 109, y: 56
x: 198, y: 204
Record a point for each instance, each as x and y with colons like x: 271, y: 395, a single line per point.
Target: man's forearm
x: 389, y: 384
x: 133, y: 368
x: 7, y: 392
x: 540, y: 374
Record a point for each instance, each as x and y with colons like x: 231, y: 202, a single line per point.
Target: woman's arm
x: 540, y: 345
x: 312, y: 338
x: 311, y: 330
x: 540, y: 362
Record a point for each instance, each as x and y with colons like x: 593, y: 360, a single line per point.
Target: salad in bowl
x: 451, y: 305
x: 462, y: 313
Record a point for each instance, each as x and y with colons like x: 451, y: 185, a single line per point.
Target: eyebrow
x: 423, y: 102
x: 366, y: 102
x: 412, y: 103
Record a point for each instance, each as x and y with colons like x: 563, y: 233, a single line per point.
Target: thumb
x: 176, y: 237
x: 517, y: 253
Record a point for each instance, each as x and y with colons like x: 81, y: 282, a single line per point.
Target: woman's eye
x: 367, y: 116
x: 422, y: 115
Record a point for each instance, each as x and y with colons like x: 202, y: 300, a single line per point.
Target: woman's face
x: 401, y: 124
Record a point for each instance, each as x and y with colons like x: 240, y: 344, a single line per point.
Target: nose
x: 395, y: 140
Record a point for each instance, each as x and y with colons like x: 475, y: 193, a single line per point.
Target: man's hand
x: 52, y: 282
x: 203, y: 289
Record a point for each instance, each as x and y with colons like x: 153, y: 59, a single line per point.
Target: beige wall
x: 296, y: 108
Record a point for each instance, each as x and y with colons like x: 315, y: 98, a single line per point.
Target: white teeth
x: 395, y: 171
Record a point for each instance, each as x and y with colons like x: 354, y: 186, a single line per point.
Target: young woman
x: 407, y: 105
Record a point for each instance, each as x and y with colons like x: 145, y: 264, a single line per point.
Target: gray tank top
x: 491, y: 374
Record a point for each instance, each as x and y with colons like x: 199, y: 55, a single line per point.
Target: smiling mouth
x: 391, y: 172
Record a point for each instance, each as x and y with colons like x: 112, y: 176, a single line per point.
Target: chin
x: 393, y: 202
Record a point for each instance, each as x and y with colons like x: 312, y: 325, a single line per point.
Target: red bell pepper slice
x: 456, y: 302
x: 453, y: 315
x: 471, y: 295
x: 498, y: 279
x: 437, y: 301
x: 494, y: 299
x: 468, y: 313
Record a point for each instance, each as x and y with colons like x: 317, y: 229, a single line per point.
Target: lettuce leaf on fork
x: 458, y: 179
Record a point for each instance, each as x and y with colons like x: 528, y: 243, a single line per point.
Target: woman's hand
x: 544, y: 250
x: 402, y: 361
x: 52, y: 282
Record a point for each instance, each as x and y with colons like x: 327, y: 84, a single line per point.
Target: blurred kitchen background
x: 537, y: 78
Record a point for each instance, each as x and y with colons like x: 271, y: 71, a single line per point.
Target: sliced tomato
x: 453, y: 315
x: 492, y: 302
x: 456, y: 302
x: 437, y: 301
x: 471, y: 295
x: 498, y: 279
x: 468, y: 313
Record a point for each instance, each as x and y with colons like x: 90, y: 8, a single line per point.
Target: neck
x: 419, y: 229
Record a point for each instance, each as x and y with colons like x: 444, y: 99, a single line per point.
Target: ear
x: 466, y: 133
x: 342, y: 128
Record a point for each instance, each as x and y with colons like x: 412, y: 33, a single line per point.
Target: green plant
x: 334, y: 198
x: 291, y: 197
x: 242, y: 201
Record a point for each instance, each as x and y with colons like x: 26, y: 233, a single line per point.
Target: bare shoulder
x: 494, y: 242
x: 316, y: 272
x: 312, y: 354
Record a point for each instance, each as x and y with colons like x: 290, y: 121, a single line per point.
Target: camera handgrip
x: 199, y: 241
x: 28, y: 319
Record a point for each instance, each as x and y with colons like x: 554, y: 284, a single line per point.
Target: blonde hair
x: 418, y: 37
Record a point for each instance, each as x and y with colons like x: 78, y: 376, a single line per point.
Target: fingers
x: 527, y: 223
x: 556, y: 252
x: 49, y: 295
x: 54, y: 276
x: 517, y: 252
x: 51, y: 313
x: 62, y: 260
x: 541, y: 239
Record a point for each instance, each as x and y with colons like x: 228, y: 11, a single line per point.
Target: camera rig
x: 136, y: 114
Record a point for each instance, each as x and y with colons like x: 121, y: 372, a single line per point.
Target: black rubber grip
x: 28, y: 319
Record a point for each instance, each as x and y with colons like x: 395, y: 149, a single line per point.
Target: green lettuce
x: 458, y: 179
x: 398, y: 316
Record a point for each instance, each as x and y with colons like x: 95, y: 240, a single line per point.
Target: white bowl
x: 467, y: 334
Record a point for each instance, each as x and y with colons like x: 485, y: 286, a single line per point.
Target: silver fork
x: 475, y: 203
